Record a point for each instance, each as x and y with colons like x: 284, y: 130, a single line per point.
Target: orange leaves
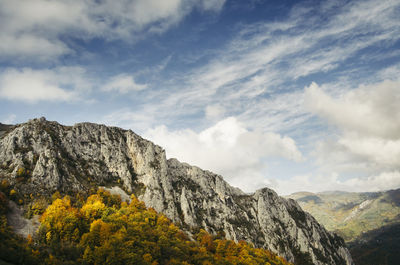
x: 29, y: 239
x: 228, y: 252
x: 98, y: 234
x: 93, y: 208
x: 206, y: 240
x: 60, y: 220
x: 4, y: 185
x: 147, y: 258
x: 48, y: 237
x: 163, y: 221
x: 109, y: 199
x: 105, y: 230
x: 13, y: 194
x: 136, y: 204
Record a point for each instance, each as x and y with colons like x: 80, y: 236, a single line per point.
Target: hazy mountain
x: 369, y: 221
x: 350, y: 214
x: 40, y: 157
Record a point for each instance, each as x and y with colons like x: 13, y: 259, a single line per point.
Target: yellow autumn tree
x: 60, y: 221
x: 104, y: 230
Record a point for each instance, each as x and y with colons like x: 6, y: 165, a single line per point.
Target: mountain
x: 100, y: 228
x: 40, y: 157
x: 351, y: 214
x: 379, y: 246
x: 369, y: 221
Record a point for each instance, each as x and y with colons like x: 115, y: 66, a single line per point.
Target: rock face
x: 68, y: 159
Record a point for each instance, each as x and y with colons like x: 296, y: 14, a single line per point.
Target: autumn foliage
x: 104, y: 230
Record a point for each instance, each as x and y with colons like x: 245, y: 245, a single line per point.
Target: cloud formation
x: 123, y: 84
x: 317, y: 183
x: 214, y: 112
x: 368, y: 141
x: 372, y: 111
x: 34, y: 28
x: 255, y: 78
x: 32, y: 86
x: 267, y: 54
x: 256, y: 71
x: 227, y: 148
x: 255, y: 75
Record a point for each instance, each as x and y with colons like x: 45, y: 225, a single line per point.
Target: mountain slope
x: 369, y: 221
x: 40, y: 157
x: 379, y: 246
x: 103, y: 229
x: 351, y: 214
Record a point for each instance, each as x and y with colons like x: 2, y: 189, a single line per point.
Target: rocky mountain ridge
x: 42, y: 156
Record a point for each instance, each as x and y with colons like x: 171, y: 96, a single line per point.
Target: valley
x: 369, y: 222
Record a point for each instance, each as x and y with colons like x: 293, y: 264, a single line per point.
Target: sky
x: 291, y: 95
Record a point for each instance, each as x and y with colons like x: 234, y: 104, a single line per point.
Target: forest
x: 102, y: 229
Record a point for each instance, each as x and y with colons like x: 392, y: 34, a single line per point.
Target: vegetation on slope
x: 380, y: 246
x: 369, y: 222
x: 103, y: 230
x: 352, y: 214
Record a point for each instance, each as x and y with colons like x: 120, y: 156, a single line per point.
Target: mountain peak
x: 87, y: 155
x: 41, y: 119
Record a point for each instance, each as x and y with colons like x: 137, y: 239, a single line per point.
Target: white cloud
x: 383, y: 181
x: 254, y: 76
x: 246, y: 78
x: 358, y: 155
x: 265, y: 55
x: 214, y: 112
x: 392, y: 72
x: 382, y: 152
x: 368, y: 139
x: 227, y: 148
x: 146, y: 12
x: 280, y: 112
x: 28, y: 45
x: 370, y: 111
x: 138, y: 121
x: 32, y: 28
x: 123, y: 83
x: 43, y: 85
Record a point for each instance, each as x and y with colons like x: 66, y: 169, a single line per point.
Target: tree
x: 60, y: 220
x: 104, y: 230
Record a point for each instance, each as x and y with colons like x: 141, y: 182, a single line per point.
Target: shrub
x: 13, y: 194
x: 4, y: 185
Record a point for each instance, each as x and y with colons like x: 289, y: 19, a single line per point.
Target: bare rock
x: 86, y: 155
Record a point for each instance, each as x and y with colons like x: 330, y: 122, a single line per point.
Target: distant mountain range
x: 369, y: 221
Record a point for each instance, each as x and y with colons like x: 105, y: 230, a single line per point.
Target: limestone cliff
x: 72, y: 158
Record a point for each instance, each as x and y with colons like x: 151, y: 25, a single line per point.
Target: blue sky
x: 294, y: 95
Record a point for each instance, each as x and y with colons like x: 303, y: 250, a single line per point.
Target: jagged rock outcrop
x: 76, y: 158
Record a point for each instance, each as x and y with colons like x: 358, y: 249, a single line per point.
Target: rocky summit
x: 42, y: 156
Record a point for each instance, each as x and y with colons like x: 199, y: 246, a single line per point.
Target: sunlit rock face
x: 86, y: 155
